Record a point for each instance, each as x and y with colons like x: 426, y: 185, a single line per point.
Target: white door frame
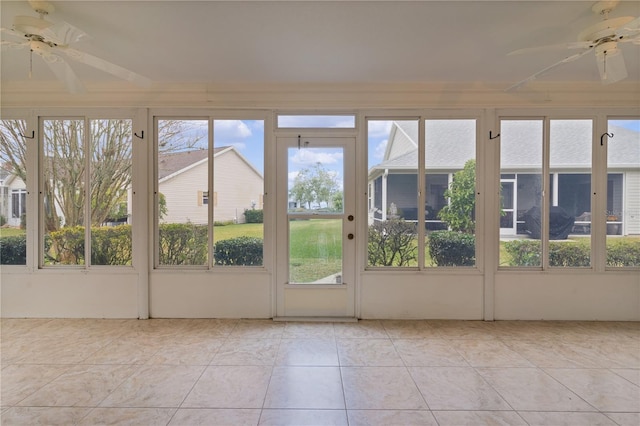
x: 336, y: 300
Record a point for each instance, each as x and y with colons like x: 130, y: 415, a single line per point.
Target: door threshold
x: 315, y: 319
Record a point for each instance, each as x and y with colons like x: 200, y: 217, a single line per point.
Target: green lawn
x: 11, y: 232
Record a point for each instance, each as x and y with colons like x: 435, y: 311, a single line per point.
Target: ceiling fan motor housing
x: 604, y: 29
x: 30, y: 25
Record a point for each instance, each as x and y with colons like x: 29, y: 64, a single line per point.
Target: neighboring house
x: 13, y: 197
x: 182, y: 179
x: 451, y: 143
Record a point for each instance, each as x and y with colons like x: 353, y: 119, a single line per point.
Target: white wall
x: 484, y: 293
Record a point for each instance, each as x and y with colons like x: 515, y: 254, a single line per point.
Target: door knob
x: 350, y: 236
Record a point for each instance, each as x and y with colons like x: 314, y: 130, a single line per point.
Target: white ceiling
x: 323, y: 41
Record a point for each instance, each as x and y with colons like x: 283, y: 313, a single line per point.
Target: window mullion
x: 210, y: 190
x: 86, y: 140
x: 422, y: 173
x: 544, y: 223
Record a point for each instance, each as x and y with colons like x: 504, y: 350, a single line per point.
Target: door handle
x: 350, y: 236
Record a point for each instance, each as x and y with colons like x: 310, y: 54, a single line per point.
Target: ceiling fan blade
x: 560, y: 46
x: 549, y: 68
x: 611, y: 67
x: 64, y: 73
x: 628, y: 29
x: 63, y: 33
x: 13, y: 45
x: 106, y: 66
x: 12, y: 33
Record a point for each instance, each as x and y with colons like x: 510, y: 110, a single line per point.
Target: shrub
x: 246, y: 251
x: 623, y: 253
x: 392, y: 243
x: 569, y: 254
x: 450, y: 248
x: 183, y: 244
x: 254, y: 216
x: 13, y: 250
x: 3, y: 220
x: 67, y: 246
x: 524, y: 252
x: 111, y: 245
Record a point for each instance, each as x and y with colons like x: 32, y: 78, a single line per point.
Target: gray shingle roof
x: 170, y: 163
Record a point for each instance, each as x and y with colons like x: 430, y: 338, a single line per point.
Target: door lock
x: 350, y: 236
x: 350, y: 217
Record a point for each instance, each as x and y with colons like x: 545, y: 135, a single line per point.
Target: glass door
x: 315, y: 227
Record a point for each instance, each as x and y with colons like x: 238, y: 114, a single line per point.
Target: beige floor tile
x: 456, y: 388
x: 128, y: 416
x: 263, y: 329
x: 309, y: 352
x: 625, y: 419
x: 197, y: 353
x: 215, y: 417
x: 619, y: 354
x: 601, y: 388
x: 305, y: 388
x: 303, y: 418
x: 20, y: 327
x: 380, y: 388
x: 124, y: 351
x: 478, y: 418
x: 307, y: 330
x: 50, y: 350
x: 391, y: 418
x: 552, y: 353
x: 415, y: 329
x: 248, y: 351
x: 488, y: 353
x: 155, y: 386
x: 363, y: 329
x: 631, y: 374
x: 19, y: 381
x: 368, y: 352
x: 532, y: 389
x: 230, y: 387
x: 428, y: 353
x: 46, y: 416
x: 80, y: 386
x: 450, y: 329
x: 537, y: 418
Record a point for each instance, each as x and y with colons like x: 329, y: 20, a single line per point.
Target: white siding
x: 632, y: 204
x: 236, y: 185
x: 181, y: 193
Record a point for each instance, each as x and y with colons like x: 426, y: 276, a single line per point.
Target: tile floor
x: 260, y: 372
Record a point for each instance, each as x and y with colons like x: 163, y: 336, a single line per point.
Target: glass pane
x: 315, y: 181
x: 570, y: 165
x: 521, y: 192
x: 317, y: 121
x: 623, y: 193
x: 183, y: 176
x: 111, y: 167
x: 13, y: 192
x: 238, y: 192
x: 393, y: 193
x: 450, y: 192
x: 315, y: 251
x: 63, y: 190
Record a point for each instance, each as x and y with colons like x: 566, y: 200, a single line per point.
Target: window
x: 13, y: 194
x: 225, y: 225
x: 396, y: 215
x: 623, y: 189
x: 86, y: 191
x: 317, y: 121
x: 566, y: 225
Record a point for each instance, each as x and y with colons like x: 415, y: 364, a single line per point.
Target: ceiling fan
x: 51, y: 42
x: 602, y: 38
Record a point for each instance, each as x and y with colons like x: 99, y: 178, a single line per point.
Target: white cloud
x: 379, y: 128
x: 308, y: 157
x: 239, y: 145
x: 231, y: 129
x: 380, y: 148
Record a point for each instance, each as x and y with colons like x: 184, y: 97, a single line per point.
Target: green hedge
x: 568, y: 253
x: 13, y: 250
x: 254, y: 216
x: 183, y: 244
x: 245, y: 251
x: 450, y: 248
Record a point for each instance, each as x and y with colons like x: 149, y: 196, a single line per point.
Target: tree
x: 459, y: 214
x: 316, y: 185
x: 64, y: 161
